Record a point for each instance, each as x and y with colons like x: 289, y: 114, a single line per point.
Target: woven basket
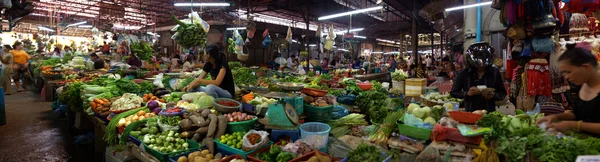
x: 429, y: 103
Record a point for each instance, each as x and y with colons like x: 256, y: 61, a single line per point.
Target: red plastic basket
x: 314, y: 92
x: 441, y: 133
x: 464, y: 117
x: 311, y: 154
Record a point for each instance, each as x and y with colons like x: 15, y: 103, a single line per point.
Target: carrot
x: 145, y: 95
x: 93, y: 105
x: 98, y: 101
x: 104, y: 100
x: 151, y: 95
x: 154, y: 98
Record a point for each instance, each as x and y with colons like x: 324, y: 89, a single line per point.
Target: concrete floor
x: 33, y: 132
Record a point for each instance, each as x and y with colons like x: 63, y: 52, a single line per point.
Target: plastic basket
x: 230, y: 158
x: 441, y: 133
x: 134, y: 140
x: 226, y: 109
x: 227, y: 150
x: 464, y: 117
x: 242, y: 126
x: 414, y: 132
x: 305, y: 157
x: 165, y: 157
x: 315, y: 134
x: 317, y: 114
x: 314, y: 92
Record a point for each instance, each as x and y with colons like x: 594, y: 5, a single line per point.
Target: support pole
x: 478, y: 30
x: 2, y: 108
x: 414, y: 43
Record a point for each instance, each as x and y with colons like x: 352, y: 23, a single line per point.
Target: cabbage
x: 412, y: 107
x: 430, y: 120
x: 204, y: 101
x: 419, y: 113
x: 426, y: 110
x: 192, y: 96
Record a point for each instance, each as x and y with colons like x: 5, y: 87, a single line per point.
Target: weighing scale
x: 281, y: 116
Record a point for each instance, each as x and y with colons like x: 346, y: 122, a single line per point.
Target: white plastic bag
x: 158, y: 81
x: 264, y: 139
x: 164, y: 127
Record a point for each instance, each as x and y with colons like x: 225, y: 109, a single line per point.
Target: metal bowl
x: 288, y: 86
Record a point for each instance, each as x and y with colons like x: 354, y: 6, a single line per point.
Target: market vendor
x: 98, y: 62
x: 579, y: 66
x: 221, y: 85
x: 447, y: 69
x: 20, y: 66
x: 473, y: 83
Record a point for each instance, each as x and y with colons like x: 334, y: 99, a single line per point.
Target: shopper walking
x: 479, y: 73
x: 579, y: 66
x: 20, y: 58
x: 7, y: 70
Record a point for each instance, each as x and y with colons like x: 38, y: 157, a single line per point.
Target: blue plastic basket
x: 315, y: 134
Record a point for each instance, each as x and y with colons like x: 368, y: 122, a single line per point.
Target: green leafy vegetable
x: 364, y: 153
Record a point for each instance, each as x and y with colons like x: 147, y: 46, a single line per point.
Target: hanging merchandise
x: 320, y: 40
x: 330, y: 40
x: 267, y: 42
x: 544, y: 26
x: 538, y: 76
x: 288, y: 36
x: 581, y: 6
x: 190, y: 32
x: 578, y: 23
x: 265, y: 33
x: 239, y: 42
x: 250, y: 28
x: 516, y: 31
x: 542, y: 45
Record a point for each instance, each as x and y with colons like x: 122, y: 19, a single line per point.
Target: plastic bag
x: 430, y: 154
x: 158, y: 81
x: 264, y: 139
x: 410, y: 119
x: 164, y: 127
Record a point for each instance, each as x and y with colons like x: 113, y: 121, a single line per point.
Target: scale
x: 281, y: 116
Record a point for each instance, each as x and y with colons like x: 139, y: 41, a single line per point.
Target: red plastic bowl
x: 314, y: 92
x: 364, y: 86
x: 464, y: 117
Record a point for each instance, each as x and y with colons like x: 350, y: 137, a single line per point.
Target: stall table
x: 99, y: 143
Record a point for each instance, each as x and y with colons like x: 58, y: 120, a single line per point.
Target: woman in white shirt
x: 189, y: 64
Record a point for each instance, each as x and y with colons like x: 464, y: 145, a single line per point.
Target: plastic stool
x: 293, y: 134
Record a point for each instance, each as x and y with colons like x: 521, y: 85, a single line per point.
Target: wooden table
x: 99, y: 143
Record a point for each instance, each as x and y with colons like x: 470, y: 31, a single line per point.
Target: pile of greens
x: 364, y: 153
x: 234, y: 65
x: 275, y: 154
x: 142, y: 50
x: 127, y: 86
x: 147, y: 87
x: 173, y: 97
x: 71, y: 96
x: 372, y: 103
x: 326, y: 77
x: 336, y: 92
x: 244, y: 76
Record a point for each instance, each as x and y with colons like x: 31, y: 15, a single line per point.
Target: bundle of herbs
x: 386, y: 127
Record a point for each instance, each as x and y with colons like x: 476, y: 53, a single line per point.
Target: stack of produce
x: 364, y: 153
x: 426, y: 114
x: 440, y: 99
x: 203, y: 126
x: 275, y: 154
x: 342, y: 126
x: 142, y: 50
x: 200, y: 156
x: 190, y: 33
x: 126, y: 102
x: 233, y: 140
x: 101, y: 106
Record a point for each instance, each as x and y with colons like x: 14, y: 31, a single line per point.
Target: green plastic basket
x: 165, y: 157
x: 228, y: 150
x: 242, y: 126
x: 414, y: 132
x: 318, y: 114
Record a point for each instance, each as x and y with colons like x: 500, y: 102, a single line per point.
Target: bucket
x: 315, y: 134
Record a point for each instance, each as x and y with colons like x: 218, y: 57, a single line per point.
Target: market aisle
x: 33, y: 132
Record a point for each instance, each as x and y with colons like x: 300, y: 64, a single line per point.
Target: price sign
x: 588, y: 158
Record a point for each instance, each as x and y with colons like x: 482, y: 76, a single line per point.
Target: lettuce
x: 204, y: 101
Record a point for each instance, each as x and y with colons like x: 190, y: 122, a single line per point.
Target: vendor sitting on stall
x: 98, y: 62
x: 474, y: 83
x: 221, y: 85
x: 579, y: 66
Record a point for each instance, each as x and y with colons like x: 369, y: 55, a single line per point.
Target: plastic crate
x: 165, y: 157
x: 464, y: 117
x: 318, y: 114
x: 227, y: 150
x: 229, y: 158
x: 242, y: 126
x: 305, y: 157
x: 134, y: 140
x: 414, y: 132
x: 441, y: 133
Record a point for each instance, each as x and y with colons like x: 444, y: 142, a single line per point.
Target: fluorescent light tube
x: 361, y: 37
x: 376, y: 52
x: 312, y: 45
x: 468, y: 6
x: 85, y: 26
x: 202, y: 4
x: 240, y: 28
x: 350, y: 13
x: 75, y: 24
x: 45, y: 28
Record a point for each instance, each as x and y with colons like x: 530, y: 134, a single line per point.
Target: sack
x: 264, y: 139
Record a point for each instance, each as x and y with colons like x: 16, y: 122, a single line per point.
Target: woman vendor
x: 579, y: 66
x: 221, y: 85
x: 474, y: 84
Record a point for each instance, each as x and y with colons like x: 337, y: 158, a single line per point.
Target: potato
x: 192, y: 156
x: 182, y: 159
x: 205, y: 152
x: 106, y: 104
x: 105, y: 109
x: 200, y: 159
x: 209, y: 156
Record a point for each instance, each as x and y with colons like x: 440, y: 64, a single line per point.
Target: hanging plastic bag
x: 158, y: 81
x: 288, y: 36
x: 267, y: 42
x: 251, y: 137
x: 197, y: 20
